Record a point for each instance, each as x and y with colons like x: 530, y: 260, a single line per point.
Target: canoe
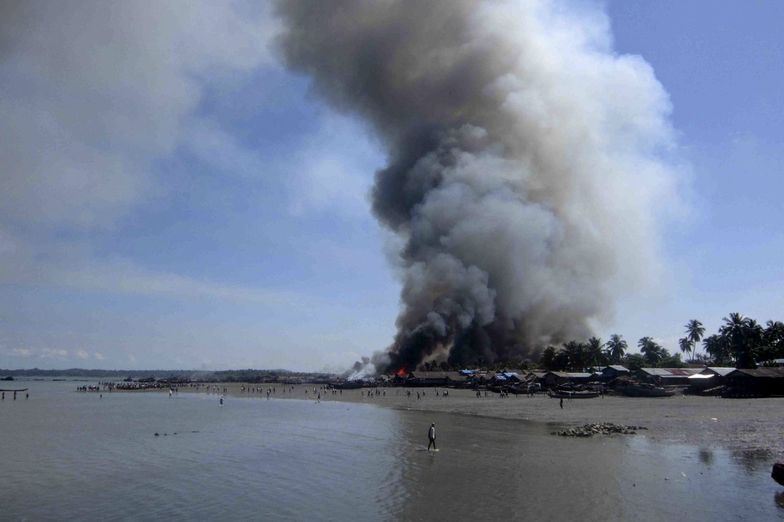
x: 645, y: 390
x: 573, y: 395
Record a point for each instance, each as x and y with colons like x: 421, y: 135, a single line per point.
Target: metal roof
x: 702, y: 376
x: 718, y: 370
x: 767, y: 373
x: 618, y: 368
x: 670, y: 372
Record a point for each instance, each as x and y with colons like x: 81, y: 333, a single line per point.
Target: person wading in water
x: 431, y: 437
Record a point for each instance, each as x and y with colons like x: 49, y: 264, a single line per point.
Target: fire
x: 401, y: 372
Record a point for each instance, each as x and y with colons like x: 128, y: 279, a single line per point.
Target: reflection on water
x: 706, y: 456
x: 74, y: 456
x: 753, y: 460
x: 779, y: 499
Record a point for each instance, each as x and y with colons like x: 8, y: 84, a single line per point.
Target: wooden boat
x: 582, y: 394
x: 10, y: 391
x: 645, y: 390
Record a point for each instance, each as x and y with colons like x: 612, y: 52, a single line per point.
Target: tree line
x: 740, y: 342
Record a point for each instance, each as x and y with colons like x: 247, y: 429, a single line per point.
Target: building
x: 422, y: 378
x: 667, y: 376
x: 614, y: 371
x: 759, y: 382
x: 554, y: 379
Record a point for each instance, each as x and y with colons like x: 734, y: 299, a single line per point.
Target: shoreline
x: 744, y: 425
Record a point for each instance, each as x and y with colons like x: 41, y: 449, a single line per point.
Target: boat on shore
x: 645, y: 390
x: 580, y: 394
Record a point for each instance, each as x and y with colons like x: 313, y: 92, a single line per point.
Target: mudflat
x: 737, y: 424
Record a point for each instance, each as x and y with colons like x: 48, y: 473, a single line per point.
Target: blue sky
x: 176, y: 199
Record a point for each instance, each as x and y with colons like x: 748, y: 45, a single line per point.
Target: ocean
x: 66, y: 455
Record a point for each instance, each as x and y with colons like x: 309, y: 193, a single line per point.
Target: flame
x: 401, y: 372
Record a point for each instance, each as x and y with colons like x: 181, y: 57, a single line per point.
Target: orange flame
x: 401, y: 372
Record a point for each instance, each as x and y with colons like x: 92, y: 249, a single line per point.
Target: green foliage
x: 616, y: 348
x: 634, y: 361
x: 547, y: 360
x: 651, y: 351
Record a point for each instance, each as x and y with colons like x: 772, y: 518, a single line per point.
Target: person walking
x: 431, y: 437
x: 561, y: 402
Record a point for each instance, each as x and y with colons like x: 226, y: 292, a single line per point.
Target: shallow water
x: 68, y: 455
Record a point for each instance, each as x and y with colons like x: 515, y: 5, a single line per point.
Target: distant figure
x: 14, y: 395
x: 170, y: 394
x: 27, y: 396
x: 318, y: 399
x: 561, y: 402
x: 100, y: 395
x: 3, y: 396
x: 417, y: 396
x: 431, y: 436
x: 220, y: 401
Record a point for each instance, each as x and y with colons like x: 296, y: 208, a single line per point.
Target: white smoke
x: 525, y: 161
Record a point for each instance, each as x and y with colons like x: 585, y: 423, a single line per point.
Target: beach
x: 744, y: 425
x: 81, y: 456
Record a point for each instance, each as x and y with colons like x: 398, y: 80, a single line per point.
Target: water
x: 68, y: 455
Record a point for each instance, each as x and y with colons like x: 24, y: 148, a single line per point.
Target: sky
x: 172, y: 197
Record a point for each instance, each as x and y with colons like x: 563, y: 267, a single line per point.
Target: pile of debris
x: 607, y: 428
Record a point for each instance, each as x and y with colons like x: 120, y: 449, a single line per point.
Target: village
x: 613, y: 379
x: 727, y: 382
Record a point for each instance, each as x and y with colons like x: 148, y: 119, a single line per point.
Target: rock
x: 607, y: 428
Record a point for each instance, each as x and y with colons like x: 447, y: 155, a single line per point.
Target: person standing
x: 561, y: 402
x: 431, y: 437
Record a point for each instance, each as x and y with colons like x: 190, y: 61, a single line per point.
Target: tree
x: 694, y: 332
x: 716, y: 346
x: 594, y: 353
x: 670, y: 361
x: 772, y: 341
x: 685, y: 345
x: 634, y: 361
x: 616, y: 348
x: 575, y: 355
x: 651, y: 350
x: 743, y: 336
x: 548, y: 358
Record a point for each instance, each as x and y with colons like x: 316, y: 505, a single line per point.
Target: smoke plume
x: 525, y: 158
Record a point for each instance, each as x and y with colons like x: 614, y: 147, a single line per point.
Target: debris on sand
x: 607, y: 428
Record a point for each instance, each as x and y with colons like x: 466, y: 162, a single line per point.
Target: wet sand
x: 755, y: 425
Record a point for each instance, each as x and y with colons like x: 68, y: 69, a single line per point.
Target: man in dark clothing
x: 431, y: 437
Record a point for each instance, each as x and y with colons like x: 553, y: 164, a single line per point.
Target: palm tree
x: 575, y: 355
x: 594, y: 351
x: 716, y: 346
x: 685, y: 345
x: 616, y: 348
x: 743, y: 336
x: 772, y: 341
x: 651, y: 350
x: 694, y: 332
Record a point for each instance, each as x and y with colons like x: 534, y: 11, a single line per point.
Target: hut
x: 614, y: 371
x: 667, y: 376
x: 554, y: 379
x: 423, y: 378
x: 759, y: 382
